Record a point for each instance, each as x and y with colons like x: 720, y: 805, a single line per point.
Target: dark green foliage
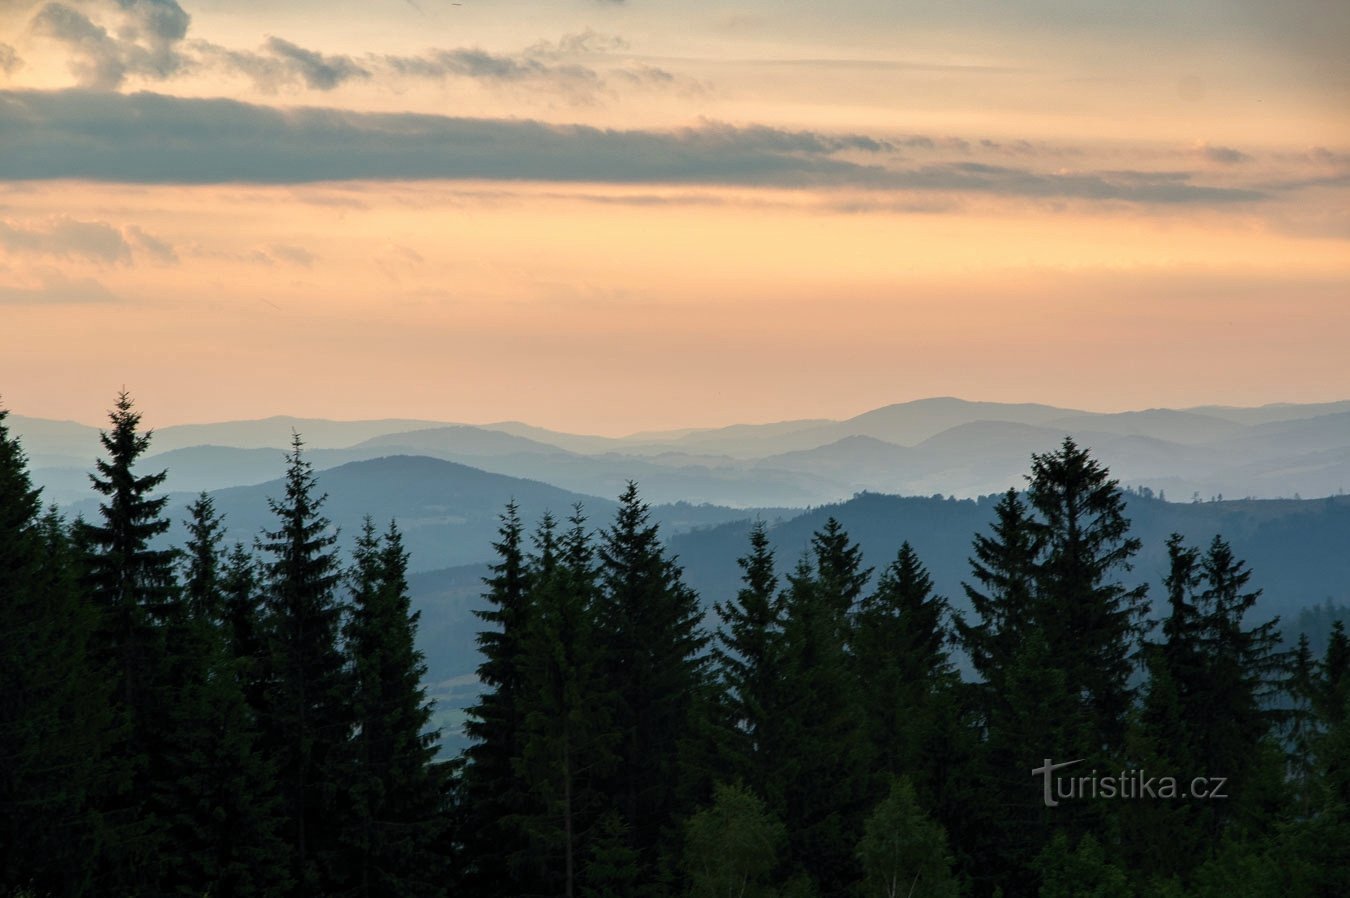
x: 823, y: 750
x: 905, y: 679
x: 306, y: 715
x: 613, y: 868
x: 654, y: 666
x: 902, y: 852
x: 568, y: 739
x: 134, y: 587
x: 839, y: 571
x: 244, y: 624
x: 1092, y: 623
x: 248, y: 734
x: 749, y: 656
x: 53, y: 707
x: 215, y: 792
x: 134, y: 581
x: 202, y: 577
x: 1083, y: 872
x: 394, y: 788
x: 494, y: 791
x: 1209, y: 709
x: 1004, y: 599
x: 731, y: 847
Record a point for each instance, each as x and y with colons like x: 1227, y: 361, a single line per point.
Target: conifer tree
x: 613, y: 868
x: 395, y: 787
x: 904, y: 674
x: 1233, y: 717
x: 840, y: 576
x: 218, y: 792
x: 654, y: 666
x: 244, y: 623
x: 306, y: 719
x: 53, y: 708
x: 1004, y: 597
x: 202, y: 577
x: 568, y: 737
x: 494, y: 791
x: 749, y: 661
x: 134, y: 586
x: 1092, y: 623
x: 822, y: 741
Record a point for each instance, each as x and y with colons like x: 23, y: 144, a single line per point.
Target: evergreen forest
x: 233, y: 719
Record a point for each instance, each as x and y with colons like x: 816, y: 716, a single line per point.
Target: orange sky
x: 779, y: 216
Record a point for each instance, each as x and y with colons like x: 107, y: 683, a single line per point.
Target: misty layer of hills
x: 945, y: 446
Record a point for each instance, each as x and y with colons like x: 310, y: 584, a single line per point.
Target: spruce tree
x: 134, y: 586
x: 1233, y: 717
x: 568, y: 739
x: 219, y: 790
x: 244, y: 623
x: 840, y: 576
x: 655, y: 667
x: 1003, y: 597
x: 53, y: 708
x: 822, y: 742
x: 749, y: 660
x: 494, y: 791
x: 395, y: 790
x: 306, y: 718
x: 904, y: 674
x: 202, y: 577
x: 1092, y: 623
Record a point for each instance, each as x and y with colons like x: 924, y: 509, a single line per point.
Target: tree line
x: 251, y: 719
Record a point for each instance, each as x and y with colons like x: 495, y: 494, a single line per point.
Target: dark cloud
x: 147, y: 40
x: 480, y: 64
x: 152, y: 138
x: 556, y: 64
x: 9, y: 59
x: 319, y: 71
x: 1222, y: 155
x: 282, y: 63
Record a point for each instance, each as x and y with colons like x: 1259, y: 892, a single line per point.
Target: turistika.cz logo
x: 1125, y: 784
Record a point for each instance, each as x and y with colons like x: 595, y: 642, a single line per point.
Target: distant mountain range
x: 932, y: 446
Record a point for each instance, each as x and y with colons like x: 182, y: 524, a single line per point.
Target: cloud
x: 68, y: 238
x: 556, y: 64
x: 9, y: 60
x: 152, y: 246
x: 90, y: 241
x: 282, y: 63
x: 1221, y: 155
x: 121, y: 39
x: 146, y: 40
x: 151, y: 138
x: 52, y: 287
x: 296, y: 255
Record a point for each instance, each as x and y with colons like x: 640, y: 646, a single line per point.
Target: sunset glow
x: 618, y: 216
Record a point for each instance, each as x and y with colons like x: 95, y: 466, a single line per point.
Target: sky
x: 619, y: 215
